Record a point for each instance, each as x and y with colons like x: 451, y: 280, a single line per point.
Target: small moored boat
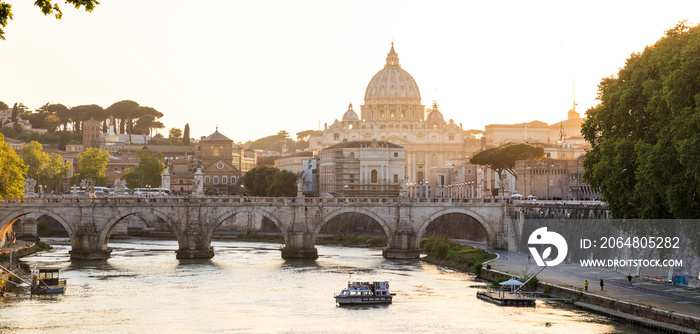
x: 365, y: 293
x: 47, y: 281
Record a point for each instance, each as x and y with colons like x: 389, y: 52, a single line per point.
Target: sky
x: 254, y: 68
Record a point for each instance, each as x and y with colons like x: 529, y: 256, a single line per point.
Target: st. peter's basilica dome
x: 392, y: 82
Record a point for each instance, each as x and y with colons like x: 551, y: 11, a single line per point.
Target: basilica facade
x: 393, y: 112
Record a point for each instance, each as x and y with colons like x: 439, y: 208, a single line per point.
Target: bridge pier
x: 86, y: 243
x: 299, y: 242
x: 403, y: 245
x: 299, y: 246
x: 27, y: 227
x: 194, y: 243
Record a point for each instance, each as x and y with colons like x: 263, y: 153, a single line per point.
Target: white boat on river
x: 365, y: 293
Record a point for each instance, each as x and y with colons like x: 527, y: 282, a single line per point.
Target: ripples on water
x: 247, y: 287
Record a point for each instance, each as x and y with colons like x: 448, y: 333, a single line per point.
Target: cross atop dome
x: 392, y: 58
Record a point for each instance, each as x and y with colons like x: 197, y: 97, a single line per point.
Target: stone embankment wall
x: 576, y: 230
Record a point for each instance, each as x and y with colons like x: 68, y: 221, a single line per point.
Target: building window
x: 352, y: 154
x: 233, y: 179
x: 373, y: 176
x: 216, y: 180
x: 452, y: 136
x: 206, y: 180
x: 396, y: 178
x: 224, y: 179
x: 336, y: 136
x: 396, y: 154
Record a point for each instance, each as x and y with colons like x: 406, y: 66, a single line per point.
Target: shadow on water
x: 352, y: 307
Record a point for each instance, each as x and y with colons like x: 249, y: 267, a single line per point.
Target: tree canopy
x: 270, y: 181
x: 503, y: 158
x: 47, y: 7
x: 12, y: 172
x: 92, y: 163
x: 148, y: 172
x: 645, y: 132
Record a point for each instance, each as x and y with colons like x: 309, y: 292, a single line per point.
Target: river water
x: 247, y: 287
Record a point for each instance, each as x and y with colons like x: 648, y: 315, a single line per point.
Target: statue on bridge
x: 120, y: 187
x: 29, y: 185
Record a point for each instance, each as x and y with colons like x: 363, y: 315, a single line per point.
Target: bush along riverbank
x: 447, y: 252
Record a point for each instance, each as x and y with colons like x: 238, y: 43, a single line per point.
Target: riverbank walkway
x: 661, y: 295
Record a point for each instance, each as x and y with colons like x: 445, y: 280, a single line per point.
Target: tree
x: 35, y: 159
x: 61, y: 112
x: 11, y: 173
x: 92, y: 163
x: 282, y: 184
x: 257, y: 180
x: 54, y: 171
x: 4, y: 106
x: 304, y: 135
x: 503, y: 158
x: 81, y: 113
x: 274, y: 142
x: 186, y: 135
x: 46, y: 7
x: 645, y: 154
x: 148, y: 172
x: 175, y: 133
x: 124, y: 111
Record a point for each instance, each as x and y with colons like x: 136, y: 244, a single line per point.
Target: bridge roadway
x: 90, y: 221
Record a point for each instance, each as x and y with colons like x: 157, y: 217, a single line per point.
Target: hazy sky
x: 257, y: 67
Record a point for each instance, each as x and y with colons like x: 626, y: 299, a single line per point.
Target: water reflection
x: 247, y: 287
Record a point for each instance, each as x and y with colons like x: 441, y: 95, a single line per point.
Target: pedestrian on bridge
x: 601, y: 284
x: 585, y: 285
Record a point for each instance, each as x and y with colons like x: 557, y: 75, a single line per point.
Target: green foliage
x: 148, y: 173
x: 442, y: 248
x: 304, y: 135
x: 9, y: 132
x: 283, y: 184
x: 92, y: 163
x: 503, y: 158
x: 46, y: 6
x: 270, y: 181
x: 274, y: 142
x: 352, y: 240
x: 47, y: 169
x: 175, y: 133
x: 34, y: 157
x: 645, y: 133
x: 254, y: 236
x: 186, y: 134
x: 11, y: 173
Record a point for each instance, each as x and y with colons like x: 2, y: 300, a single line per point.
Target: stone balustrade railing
x: 260, y: 200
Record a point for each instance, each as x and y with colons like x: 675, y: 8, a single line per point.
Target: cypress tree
x: 186, y: 135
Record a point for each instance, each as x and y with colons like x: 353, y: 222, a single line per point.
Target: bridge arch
x: 8, y: 219
x: 388, y: 232
x: 128, y: 211
x: 487, y: 227
x: 229, y: 212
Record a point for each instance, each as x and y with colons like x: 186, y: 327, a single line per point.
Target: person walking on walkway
x: 601, y: 284
x: 585, y: 285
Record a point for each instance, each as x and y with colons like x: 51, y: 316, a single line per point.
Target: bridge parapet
x: 90, y: 221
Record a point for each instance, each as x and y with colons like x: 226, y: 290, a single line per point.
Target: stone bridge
x: 90, y: 221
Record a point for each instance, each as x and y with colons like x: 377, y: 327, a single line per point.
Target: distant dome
x: 350, y: 115
x: 435, y: 115
x: 392, y: 82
